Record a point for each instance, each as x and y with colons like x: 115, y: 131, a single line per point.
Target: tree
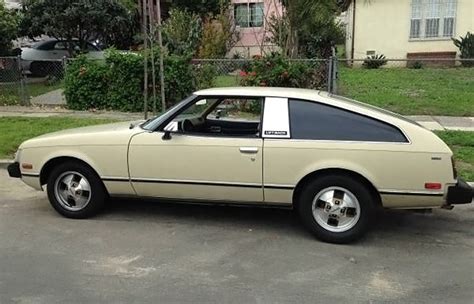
x: 308, y: 28
x: 219, y: 35
x: 111, y: 21
x: 201, y: 7
x: 181, y: 32
x: 8, y: 29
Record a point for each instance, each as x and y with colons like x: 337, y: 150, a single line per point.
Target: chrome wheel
x: 72, y: 191
x: 336, y: 209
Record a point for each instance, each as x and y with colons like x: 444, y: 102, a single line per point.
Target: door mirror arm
x: 167, y: 135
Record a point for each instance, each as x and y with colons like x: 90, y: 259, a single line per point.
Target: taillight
x: 453, y: 163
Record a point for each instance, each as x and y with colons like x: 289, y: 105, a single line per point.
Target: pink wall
x: 253, y: 38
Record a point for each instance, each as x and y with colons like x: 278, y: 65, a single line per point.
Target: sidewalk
x: 437, y: 123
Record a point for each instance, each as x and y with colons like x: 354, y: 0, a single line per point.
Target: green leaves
x: 466, y: 47
x: 109, y: 20
x: 118, y: 84
x: 308, y: 28
x: 275, y: 70
x: 8, y: 29
x: 181, y: 32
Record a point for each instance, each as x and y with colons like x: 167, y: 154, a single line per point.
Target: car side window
x: 220, y: 116
x: 312, y: 120
x: 45, y: 46
x: 60, y: 45
x: 241, y: 109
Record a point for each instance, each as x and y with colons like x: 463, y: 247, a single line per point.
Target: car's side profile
x: 44, y: 57
x: 331, y: 159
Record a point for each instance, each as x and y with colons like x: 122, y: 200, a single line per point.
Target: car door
x: 58, y: 52
x: 208, y: 166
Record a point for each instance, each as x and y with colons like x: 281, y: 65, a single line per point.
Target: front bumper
x: 14, y: 170
x: 461, y: 193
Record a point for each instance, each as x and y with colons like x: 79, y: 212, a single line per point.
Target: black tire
x: 358, y: 189
x: 98, y: 194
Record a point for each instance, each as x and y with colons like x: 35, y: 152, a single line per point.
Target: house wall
x: 384, y: 27
x: 254, y: 39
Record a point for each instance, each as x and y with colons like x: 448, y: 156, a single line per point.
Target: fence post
x: 329, y: 76
x: 335, y: 71
x: 24, y: 97
x: 332, y: 72
x: 64, y: 65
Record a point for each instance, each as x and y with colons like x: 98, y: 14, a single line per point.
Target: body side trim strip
x: 30, y: 174
x: 196, y: 182
x: 208, y: 201
x: 407, y: 192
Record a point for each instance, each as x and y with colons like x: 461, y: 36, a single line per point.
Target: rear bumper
x: 461, y: 193
x: 14, y: 170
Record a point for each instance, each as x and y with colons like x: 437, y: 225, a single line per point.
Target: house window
x: 432, y: 18
x: 249, y: 14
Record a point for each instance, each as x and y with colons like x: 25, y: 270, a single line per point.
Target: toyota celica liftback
x: 333, y: 160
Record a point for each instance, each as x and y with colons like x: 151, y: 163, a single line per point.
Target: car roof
x: 296, y: 93
x: 260, y: 91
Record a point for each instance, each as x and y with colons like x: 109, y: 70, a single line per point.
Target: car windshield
x: 152, y: 123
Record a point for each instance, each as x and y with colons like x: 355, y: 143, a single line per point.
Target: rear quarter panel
x: 390, y: 167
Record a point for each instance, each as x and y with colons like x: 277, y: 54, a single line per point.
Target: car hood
x: 107, y: 134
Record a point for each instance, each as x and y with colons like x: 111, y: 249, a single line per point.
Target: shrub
x: 125, y: 81
x: 181, y: 32
x: 204, y: 75
x: 86, y: 84
x: 374, y: 61
x: 178, y: 78
x: 275, y: 70
x: 466, y: 47
x: 117, y: 83
x: 417, y: 65
x: 218, y: 36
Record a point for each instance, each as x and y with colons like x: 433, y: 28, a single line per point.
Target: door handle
x: 248, y: 150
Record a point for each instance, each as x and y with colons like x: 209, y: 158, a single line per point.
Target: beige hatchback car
x: 332, y: 159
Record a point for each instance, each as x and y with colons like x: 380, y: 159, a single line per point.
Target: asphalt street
x: 151, y: 252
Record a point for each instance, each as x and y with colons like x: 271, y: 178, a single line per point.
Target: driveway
x: 149, y: 252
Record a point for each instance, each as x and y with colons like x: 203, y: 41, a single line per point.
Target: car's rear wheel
x: 336, y: 208
x: 75, y: 190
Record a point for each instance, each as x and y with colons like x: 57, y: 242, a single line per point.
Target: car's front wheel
x: 336, y: 208
x: 75, y: 190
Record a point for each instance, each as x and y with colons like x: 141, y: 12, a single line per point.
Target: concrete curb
x: 5, y: 162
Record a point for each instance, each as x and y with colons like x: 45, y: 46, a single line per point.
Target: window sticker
x: 275, y: 118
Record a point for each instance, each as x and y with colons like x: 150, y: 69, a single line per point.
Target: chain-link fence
x: 380, y: 82
x: 25, y: 82
x: 234, y: 72
x: 12, y: 89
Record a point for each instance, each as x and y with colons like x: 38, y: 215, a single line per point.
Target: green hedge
x: 117, y: 82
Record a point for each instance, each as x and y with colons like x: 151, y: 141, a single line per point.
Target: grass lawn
x: 15, y: 130
x: 10, y: 95
x: 427, y: 91
x: 462, y: 144
x: 227, y: 81
x: 35, y: 89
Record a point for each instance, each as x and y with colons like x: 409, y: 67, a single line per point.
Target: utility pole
x: 145, y: 55
x: 160, y: 43
x: 152, y: 53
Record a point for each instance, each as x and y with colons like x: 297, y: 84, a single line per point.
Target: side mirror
x: 167, y: 135
x: 218, y: 114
